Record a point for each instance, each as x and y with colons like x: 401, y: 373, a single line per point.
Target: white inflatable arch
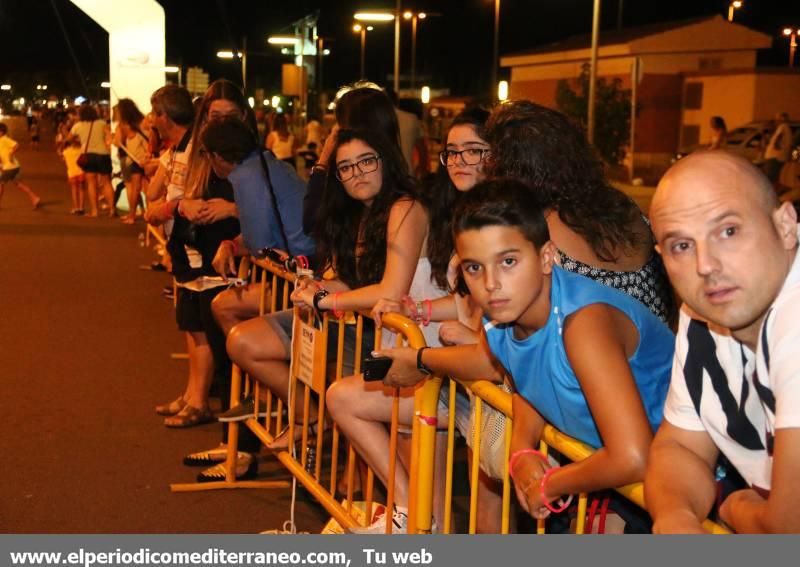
x: 136, y: 46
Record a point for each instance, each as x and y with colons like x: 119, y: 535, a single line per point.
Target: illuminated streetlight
x: 502, y: 91
x: 228, y: 54
x: 381, y: 17
x: 414, y: 16
x: 282, y: 40
x: 374, y: 16
x: 105, y: 85
x: 425, y: 95
x: 276, y: 101
x: 172, y: 69
x: 792, y: 34
x: 5, y: 87
x: 358, y: 28
x: 732, y: 7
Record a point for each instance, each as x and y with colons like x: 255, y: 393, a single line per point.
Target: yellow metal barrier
x: 490, y: 393
x: 276, y: 284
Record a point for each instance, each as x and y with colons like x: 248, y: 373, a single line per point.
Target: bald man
x: 730, y: 251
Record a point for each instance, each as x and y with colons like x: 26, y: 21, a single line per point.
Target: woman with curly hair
x: 599, y: 231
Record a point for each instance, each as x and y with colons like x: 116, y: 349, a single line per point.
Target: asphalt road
x: 85, y: 343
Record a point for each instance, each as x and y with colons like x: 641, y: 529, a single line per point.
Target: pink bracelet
x: 336, y: 313
x: 429, y: 310
x: 564, y: 503
x: 413, y: 312
x: 517, y: 454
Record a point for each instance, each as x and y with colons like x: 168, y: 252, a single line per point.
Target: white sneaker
x: 378, y: 526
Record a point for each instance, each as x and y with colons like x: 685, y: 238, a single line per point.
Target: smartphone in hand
x: 375, y: 368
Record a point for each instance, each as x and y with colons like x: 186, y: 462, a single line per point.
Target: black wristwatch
x: 421, y: 365
x: 320, y: 293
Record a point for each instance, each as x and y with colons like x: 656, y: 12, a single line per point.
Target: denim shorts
x: 281, y: 323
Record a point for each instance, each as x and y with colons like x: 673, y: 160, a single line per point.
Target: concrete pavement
x: 85, y: 343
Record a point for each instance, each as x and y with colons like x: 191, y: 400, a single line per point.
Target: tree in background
x: 612, y: 126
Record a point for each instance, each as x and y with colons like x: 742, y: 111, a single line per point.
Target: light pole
x: 792, y: 34
x: 593, y: 72
x: 237, y: 55
x: 414, y: 17
x: 382, y: 17
x: 361, y: 29
x: 496, y: 45
x: 732, y: 7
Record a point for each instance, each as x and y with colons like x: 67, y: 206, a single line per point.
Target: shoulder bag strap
x: 265, y: 167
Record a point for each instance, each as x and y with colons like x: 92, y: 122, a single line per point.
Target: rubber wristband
x: 517, y: 454
x: 428, y: 311
x: 543, y: 495
x: 427, y: 419
x: 336, y: 313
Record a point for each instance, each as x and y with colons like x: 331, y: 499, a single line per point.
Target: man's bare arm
x: 679, y: 482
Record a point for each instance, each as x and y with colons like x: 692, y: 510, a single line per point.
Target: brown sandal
x: 190, y: 416
x: 171, y: 408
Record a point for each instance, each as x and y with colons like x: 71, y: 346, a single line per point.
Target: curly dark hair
x: 444, y: 196
x: 546, y: 151
x: 342, y: 219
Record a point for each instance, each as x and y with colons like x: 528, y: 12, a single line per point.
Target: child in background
x: 75, y: 175
x: 9, y: 167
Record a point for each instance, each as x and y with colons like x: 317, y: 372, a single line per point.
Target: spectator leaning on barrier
x: 588, y: 359
x: 731, y: 252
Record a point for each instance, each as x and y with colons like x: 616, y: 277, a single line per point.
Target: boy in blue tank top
x: 590, y: 360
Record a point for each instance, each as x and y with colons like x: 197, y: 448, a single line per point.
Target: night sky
x: 454, y: 50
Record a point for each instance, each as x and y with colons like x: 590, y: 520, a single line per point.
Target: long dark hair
x: 546, y: 151
x: 199, y: 167
x: 129, y: 113
x: 443, y: 197
x: 342, y: 219
x: 368, y: 108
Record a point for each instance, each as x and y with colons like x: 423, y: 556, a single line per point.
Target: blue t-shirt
x: 257, y: 214
x: 542, y: 372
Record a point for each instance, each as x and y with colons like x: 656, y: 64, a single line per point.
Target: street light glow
x: 251, y: 101
x: 422, y: 15
x: 105, y: 85
x: 737, y: 4
x: 326, y: 51
x: 5, y: 87
x: 374, y: 16
x: 228, y: 54
x: 787, y: 31
x: 502, y: 91
x: 276, y: 100
x: 266, y: 102
x: 356, y: 28
x: 171, y: 69
x: 407, y: 15
x: 282, y: 40
x: 370, y: 28
x: 425, y: 95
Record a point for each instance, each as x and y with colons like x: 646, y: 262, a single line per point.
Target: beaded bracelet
x: 542, y: 494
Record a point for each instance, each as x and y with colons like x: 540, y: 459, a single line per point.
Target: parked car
x: 748, y: 141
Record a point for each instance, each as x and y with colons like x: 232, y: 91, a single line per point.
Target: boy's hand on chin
x: 403, y: 372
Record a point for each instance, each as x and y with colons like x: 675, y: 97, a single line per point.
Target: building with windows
x: 680, y: 74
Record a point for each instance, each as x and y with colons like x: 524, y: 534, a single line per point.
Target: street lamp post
x: 791, y: 33
x: 382, y: 17
x: 360, y: 29
x: 414, y: 17
x: 496, y: 45
x: 593, y: 72
x: 732, y: 7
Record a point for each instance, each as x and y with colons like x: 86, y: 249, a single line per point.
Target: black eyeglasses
x: 345, y: 172
x: 469, y: 156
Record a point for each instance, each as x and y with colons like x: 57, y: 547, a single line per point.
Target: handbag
x: 83, y: 159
